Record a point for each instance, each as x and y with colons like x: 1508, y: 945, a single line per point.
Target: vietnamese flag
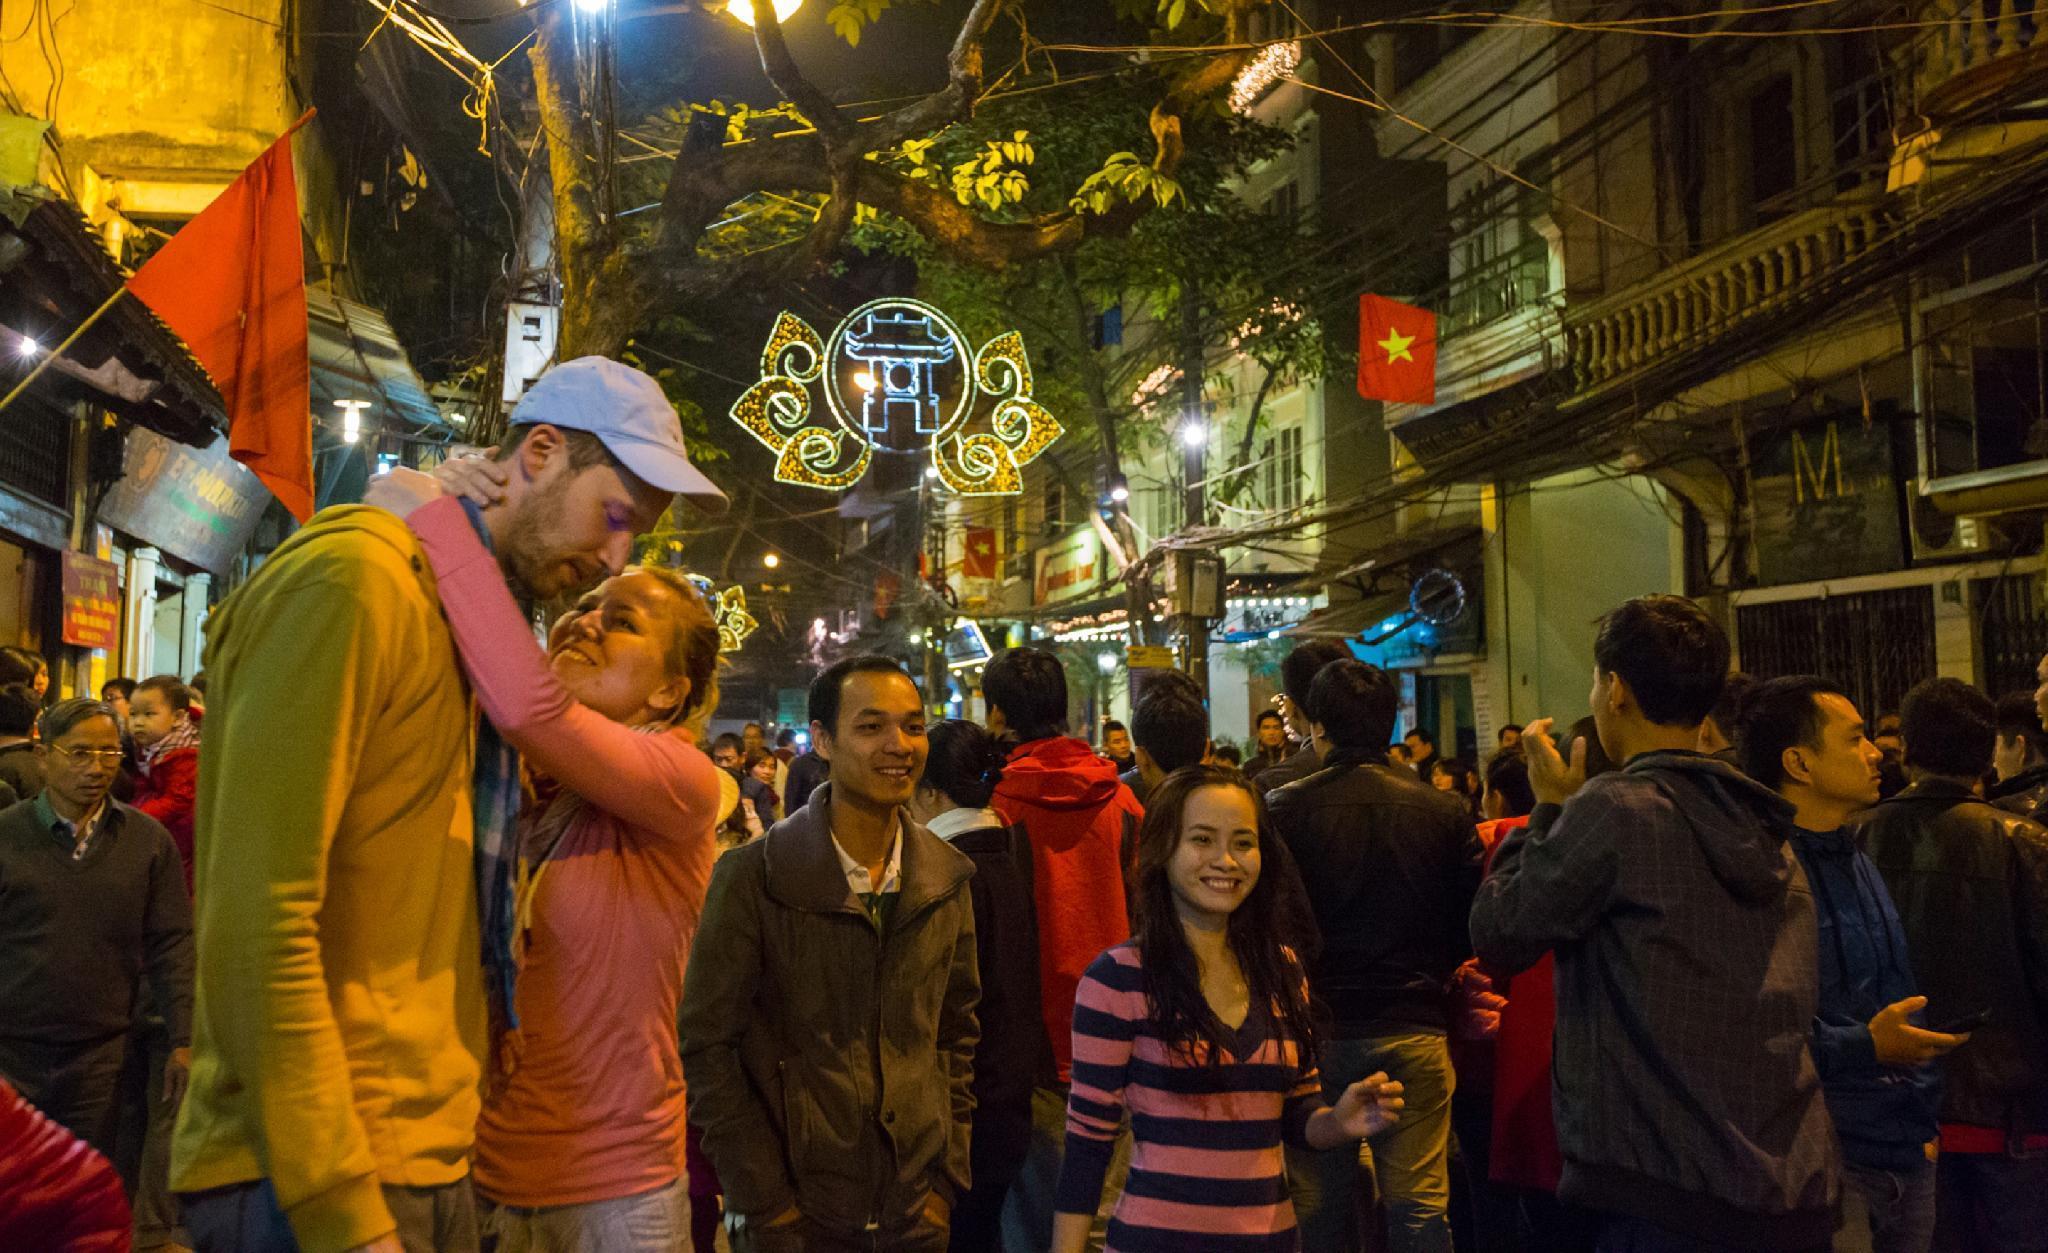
x: 232, y: 284
x: 978, y: 560
x: 1396, y: 351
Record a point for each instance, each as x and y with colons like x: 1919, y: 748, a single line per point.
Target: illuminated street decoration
x: 918, y: 388
x: 1274, y: 62
x: 728, y: 613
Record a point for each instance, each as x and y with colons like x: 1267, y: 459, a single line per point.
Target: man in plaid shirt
x: 1688, y: 1108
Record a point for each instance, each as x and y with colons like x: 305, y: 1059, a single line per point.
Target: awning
x: 356, y: 356
x: 1342, y: 622
x: 1401, y: 550
x: 57, y: 273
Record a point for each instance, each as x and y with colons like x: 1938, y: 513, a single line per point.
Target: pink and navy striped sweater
x: 1206, y: 1166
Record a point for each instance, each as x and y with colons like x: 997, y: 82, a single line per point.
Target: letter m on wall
x: 1806, y: 471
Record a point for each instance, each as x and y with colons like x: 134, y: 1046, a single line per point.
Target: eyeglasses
x: 83, y: 756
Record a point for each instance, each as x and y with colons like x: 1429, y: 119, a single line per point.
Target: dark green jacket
x: 828, y: 1061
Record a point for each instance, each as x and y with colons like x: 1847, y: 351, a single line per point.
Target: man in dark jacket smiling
x: 828, y: 1010
x: 1803, y: 737
x: 1688, y: 1108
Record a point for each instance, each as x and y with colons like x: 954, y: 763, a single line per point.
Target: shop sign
x: 1827, y: 503
x: 92, y: 601
x: 198, y: 504
x: 1149, y: 657
x: 1068, y: 569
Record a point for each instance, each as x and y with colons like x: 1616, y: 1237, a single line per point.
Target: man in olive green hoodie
x: 339, y: 1026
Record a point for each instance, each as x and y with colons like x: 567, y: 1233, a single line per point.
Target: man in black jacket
x: 828, y: 1025
x: 1390, y: 865
x: 2021, y: 759
x: 1688, y: 1107
x: 1971, y: 885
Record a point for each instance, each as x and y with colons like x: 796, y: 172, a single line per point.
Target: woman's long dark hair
x: 1173, y: 980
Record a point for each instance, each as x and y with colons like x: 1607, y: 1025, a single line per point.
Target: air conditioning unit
x: 1939, y: 536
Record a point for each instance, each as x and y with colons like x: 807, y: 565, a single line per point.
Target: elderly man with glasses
x: 92, y: 902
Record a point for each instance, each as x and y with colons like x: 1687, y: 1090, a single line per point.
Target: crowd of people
x: 425, y: 933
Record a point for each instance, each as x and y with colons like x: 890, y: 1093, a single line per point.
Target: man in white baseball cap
x: 340, y: 1040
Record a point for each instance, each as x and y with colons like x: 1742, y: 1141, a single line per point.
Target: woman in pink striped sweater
x: 1199, y: 1028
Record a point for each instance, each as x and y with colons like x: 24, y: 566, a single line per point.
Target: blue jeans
x: 245, y: 1218
x: 1991, y: 1203
x: 1411, y: 1159
x: 649, y: 1222
x: 1900, y: 1204
x: 1027, y: 1212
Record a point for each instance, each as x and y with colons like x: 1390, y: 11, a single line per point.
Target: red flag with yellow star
x: 1396, y: 351
x: 978, y: 558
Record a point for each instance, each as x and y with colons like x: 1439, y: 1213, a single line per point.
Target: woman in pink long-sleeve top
x: 581, y: 1142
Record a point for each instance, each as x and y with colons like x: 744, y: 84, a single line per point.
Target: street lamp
x: 28, y: 346
x: 351, y: 419
x: 1106, y: 662
x: 771, y: 560
x: 743, y: 10
x: 1194, y: 433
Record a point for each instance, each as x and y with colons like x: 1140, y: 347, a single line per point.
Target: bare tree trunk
x: 1095, y: 383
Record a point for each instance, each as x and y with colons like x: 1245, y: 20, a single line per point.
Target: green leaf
x: 846, y: 19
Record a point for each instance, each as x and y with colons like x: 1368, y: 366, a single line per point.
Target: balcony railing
x: 1709, y: 294
x: 1976, y: 50
x: 1504, y: 284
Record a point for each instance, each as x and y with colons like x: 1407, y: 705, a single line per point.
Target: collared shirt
x: 76, y: 835
x: 957, y: 822
x: 879, y: 901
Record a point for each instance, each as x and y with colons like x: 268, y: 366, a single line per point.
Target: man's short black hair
x: 123, y: 688
x: 1673, y: 657
x: 1507, y: 776
x: 1173, y: 730
x: 1355, y: 704
x: 585, y: 450
x: 1502, y: 734
x: 728, y: 740
x: 1227, y: 754
x: 2019, y: 719
x: 1777, y: 714
x: 64, y: 716
x: 827, y: 687
x: 786, y: 737
x: 1267, y: 715
x: 1950, y: 729
x: 1418, y: 733
x: 18, y: 709
x: 1298, y: 671
x: 1029, y: 687
x: 1111, y: 724
x: 1727, y: 711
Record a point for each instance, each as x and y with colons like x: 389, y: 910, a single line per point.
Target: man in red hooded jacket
x: 1080, y: 821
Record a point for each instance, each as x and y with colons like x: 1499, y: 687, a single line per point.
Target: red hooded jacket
x: 55, y: 1193
x: 168, y: 791
x: 1077, y: 816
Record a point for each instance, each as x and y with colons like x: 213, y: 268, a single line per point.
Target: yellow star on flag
x: 1396, y: 346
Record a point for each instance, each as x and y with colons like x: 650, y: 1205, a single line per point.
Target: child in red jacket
x: 165, y: 723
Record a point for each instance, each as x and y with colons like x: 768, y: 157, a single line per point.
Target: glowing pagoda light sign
x: 896, y: 375
x: 728, y: 613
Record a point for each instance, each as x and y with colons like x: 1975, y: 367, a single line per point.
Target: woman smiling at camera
x: 580, y: 1146
x: 1199, y: 1027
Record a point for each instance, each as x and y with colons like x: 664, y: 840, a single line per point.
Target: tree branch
x: 955, y: 101
x: 1229, y: 491
x: 785, y: 77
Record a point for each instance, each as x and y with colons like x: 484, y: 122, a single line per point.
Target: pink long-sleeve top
x: 593, y: 1107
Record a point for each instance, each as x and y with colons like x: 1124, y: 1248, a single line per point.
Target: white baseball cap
x: 628, y: 411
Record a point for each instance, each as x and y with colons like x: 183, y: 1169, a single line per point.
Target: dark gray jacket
x: 1685, y: 1087
x: 828, y: 1063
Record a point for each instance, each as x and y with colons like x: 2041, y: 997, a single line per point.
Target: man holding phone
x: 1802, y: 737
x: 1971, y: 883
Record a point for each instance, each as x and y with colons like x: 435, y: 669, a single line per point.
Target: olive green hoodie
x: 339, y: 1022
